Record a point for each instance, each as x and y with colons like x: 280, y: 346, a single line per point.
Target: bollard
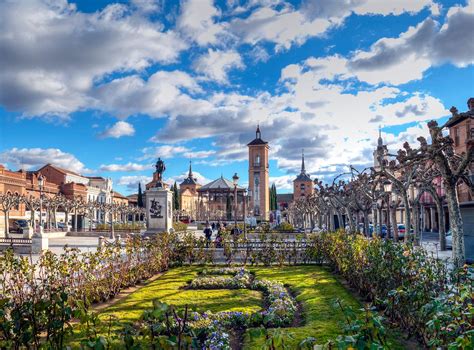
x: 117, y: 238
x: 101, y: 241
x: 39, y: 244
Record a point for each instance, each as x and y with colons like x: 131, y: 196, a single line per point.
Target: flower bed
x: 280, y: 306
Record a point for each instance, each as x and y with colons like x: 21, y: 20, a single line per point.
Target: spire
x: 258, y: 134
x: 190, y: 174
x: 380, y: 141
x: 303, y: 170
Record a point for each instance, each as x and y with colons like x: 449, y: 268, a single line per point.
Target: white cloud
x: 216, y: 64
x: 132, y: 181
x: 284, y: 182
x: 398, y: 7
x: 196, y: 21
x: 118, y: 130
x: 162, y: 94
x: 405, y: 58
x: 55, y: 53
x: 198, y: 154
x: 284, y: 27
x: 35, y: 158
x: 125, y: 167
x: 164, y: 151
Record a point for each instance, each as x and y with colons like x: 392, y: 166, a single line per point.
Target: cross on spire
x: 380, y: 141
x: 303, y: 170
x: 190, y: 174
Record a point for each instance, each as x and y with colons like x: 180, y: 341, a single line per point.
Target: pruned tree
x: 32, y: 204
x: 400, y: 172
x: 453, y: 169
x: 8, y: 201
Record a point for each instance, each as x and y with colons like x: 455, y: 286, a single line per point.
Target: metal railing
x: 14, y: 241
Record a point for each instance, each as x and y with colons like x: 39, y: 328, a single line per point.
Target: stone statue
x: 160, y: 168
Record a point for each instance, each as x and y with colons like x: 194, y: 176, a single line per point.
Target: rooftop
x: 220, y: 183
x: 258, y: 138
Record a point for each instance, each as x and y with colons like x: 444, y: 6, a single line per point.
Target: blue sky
x: 104, y: 87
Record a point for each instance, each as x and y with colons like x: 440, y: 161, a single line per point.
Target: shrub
x: 285, y: 227
x: 411, y: 287
x: 179, y: 226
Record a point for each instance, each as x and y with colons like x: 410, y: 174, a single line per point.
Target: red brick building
x: 303, y: 186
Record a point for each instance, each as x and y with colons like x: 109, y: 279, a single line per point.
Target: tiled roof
x: 219, y: 183
x: 189, y: 181
x: 459, y: 118
x: 303, y: 177
x: 61, y: 170
x: 284, y: 197
x: 119, y: 195
x: 257, y: 142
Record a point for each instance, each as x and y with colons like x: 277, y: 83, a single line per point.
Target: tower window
x: 257, y: 160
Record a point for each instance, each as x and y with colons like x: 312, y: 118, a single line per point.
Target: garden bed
x: 313, y: 287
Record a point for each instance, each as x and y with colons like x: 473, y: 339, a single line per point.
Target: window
x: 456, y: 136
x: 257, y: 160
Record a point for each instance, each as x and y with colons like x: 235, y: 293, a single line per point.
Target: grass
x: 167, y: 288
x: 316, y: 288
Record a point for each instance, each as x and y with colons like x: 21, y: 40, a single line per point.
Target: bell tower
x: 259, y: 177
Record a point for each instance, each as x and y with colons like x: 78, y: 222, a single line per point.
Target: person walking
x: 208, y: 235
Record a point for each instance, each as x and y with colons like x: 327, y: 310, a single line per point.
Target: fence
x: 19, y: 245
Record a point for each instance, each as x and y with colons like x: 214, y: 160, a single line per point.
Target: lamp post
x: 41, y: 184
x: 235, y: 178
x: 247, y: 194
x: 112, y: 208
x: 387, y: 187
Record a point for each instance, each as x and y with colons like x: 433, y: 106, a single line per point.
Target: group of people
x: 220, y: 228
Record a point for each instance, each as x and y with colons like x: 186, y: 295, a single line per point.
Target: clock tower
x: 259, y: 177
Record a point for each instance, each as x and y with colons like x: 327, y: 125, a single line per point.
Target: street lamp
x: 40, y: 185
x: 387, y: 187
x: 248, y: 195
x: 235, y: 178
x: 112, y: 209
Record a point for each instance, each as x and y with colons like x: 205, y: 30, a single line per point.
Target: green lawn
x: 316, y: 289
x: 167, y: 289
x: 315, y: 286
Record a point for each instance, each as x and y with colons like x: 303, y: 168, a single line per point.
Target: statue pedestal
x: 159, y: 210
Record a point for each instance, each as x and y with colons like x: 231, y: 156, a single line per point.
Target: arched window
x: 257, y: 160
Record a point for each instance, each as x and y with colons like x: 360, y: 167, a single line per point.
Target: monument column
x: 158, y: 203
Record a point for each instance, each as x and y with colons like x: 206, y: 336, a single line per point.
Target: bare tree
x: 32, y: 204
x: 453, y: 169
x: 8, y: 202
x: 427, y: 182
x: 400, y: 173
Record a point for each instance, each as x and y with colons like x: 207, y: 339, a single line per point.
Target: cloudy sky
x: 105, y: 88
